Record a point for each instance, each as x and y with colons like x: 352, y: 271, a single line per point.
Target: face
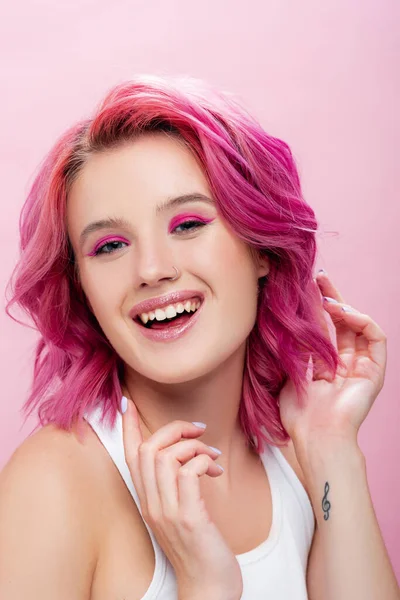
x: 123, y: 265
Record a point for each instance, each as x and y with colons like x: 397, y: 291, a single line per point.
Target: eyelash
x: 190, y: 222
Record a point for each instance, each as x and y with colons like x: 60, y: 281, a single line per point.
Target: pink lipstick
x: 167, y: 330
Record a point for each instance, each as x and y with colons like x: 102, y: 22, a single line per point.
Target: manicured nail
x: 323, y: 271
x: 215, y: 449
x: 199, y: 424
x: 332, y: 300
x: 222, y: 468
x: 124, y: 404
x: 348, y: 309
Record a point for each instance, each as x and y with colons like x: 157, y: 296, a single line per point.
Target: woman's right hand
x: 165, y: 470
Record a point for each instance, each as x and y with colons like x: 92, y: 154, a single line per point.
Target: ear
x: 263, y: 265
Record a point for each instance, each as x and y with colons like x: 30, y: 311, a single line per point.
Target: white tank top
x: 274, y: 569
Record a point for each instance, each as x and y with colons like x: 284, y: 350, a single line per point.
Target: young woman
x: 199, y: 426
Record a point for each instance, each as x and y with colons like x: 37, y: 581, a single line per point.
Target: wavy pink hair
x: 254, y: 181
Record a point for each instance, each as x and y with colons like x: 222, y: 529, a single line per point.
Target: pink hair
x: 254, y: 180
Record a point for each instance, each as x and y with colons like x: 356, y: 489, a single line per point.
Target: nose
x: 154, y: 263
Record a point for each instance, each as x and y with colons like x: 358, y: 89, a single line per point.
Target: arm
x: 348, y: 558
x: 45, y: 551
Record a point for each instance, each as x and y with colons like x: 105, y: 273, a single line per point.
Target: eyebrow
x: 121, y: 223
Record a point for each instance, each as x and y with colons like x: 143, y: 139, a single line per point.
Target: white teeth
x: 170, y: 311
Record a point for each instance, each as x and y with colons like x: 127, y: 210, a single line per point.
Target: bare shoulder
x: 55, y: 456
x: 47, y: 526
x: 53, y: 461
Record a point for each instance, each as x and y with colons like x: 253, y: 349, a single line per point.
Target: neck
x: 213, y: 399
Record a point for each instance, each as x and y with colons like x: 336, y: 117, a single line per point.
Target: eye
x: 189, y: 225
x: 101, y: 251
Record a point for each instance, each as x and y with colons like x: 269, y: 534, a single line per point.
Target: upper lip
x: 161, y: 301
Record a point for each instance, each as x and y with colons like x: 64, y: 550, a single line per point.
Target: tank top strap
x: 112, y: 440
x: 284, y: 471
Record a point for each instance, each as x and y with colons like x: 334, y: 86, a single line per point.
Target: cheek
x: 228, y: 268
x: 221, y: 251
x: 102, y: 292
x: 232, y: 259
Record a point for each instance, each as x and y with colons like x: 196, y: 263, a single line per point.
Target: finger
x: 132, y: 438
x: 327, y: 288
x: 319, y: 370
x: 361, y: 345
x: 321, y: 315
x: 375, y: 337
x: 167, y: 465
x: 345, y: 336
x: 165, y: 436
x: 189, y: 483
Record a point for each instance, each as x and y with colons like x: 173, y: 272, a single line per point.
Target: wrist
x: 320, y: 452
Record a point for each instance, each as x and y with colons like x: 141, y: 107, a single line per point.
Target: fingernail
x: 347, y: 309
x: 215, y: 449
x: 124, y: 404
x: 331, y: 300
x: 323, y: 271
x: 199, y: 424
x: 222, y: 468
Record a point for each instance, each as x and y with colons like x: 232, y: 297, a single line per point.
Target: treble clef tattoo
x: 326, y: 505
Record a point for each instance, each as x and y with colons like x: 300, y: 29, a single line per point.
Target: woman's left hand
x: 336, y: 408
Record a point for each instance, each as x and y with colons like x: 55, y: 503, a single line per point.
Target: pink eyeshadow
x: 187, y: 217
x: 111, y: 238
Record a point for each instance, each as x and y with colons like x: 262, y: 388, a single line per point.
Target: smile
x: 170, y: 313
x: 170, y: 322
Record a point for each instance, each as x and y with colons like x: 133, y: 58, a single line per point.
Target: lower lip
x: 168, y: 335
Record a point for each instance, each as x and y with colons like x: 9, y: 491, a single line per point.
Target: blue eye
x: 186, y: 226
x: 189, y: 225
x: 100, y: 248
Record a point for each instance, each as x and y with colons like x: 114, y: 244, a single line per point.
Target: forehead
x: 142, y: 172
x: 129, y: 181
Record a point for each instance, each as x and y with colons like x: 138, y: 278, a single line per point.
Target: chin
x: 175, y: 374
x: 193, y: 365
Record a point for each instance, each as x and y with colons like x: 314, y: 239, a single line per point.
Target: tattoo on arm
x: 326, y: 505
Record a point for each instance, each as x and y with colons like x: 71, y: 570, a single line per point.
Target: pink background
x: 324, y: 76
